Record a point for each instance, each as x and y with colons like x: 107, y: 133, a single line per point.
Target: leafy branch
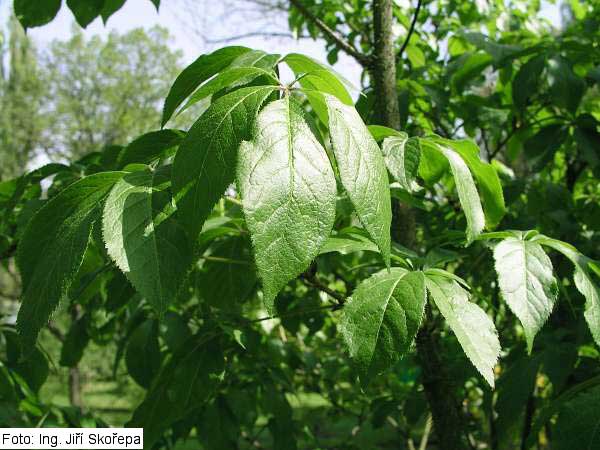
x: 332, y: 34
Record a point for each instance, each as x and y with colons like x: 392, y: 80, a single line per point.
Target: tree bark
x: 75, y: 387
x: 448, y: 422
x: 383, y: 66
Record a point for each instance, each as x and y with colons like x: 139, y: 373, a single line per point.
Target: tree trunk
x: 383, y: 66
x: 75, y: 387
x: 447, y: 417
x: 448, y: 422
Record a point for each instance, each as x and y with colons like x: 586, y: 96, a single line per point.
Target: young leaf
x: 318, y: 77
x: 288, y: 191
x: 195, y: 74
x: 52, y: 248
x: 526, y: 282
x: 205, y: 162
x: 381, y: 319
x: 143, y: 236
x: 402, y: 155
x: 474, y: 330
x: 362, y: 172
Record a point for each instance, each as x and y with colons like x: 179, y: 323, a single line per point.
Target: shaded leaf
x: 142, y: 355
x: 381, y: 319
x: 150, y: 147
x: 52, y: 248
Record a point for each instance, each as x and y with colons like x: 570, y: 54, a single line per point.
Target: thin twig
x: 268, y: 34
x: 340, y: 42
x: 410, y: 30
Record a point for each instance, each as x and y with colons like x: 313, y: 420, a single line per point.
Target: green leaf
x: 362, y: 172
x: 151, y: 146
x: 473, y: 328
x: 578, y: 423
x: 256, y: 58
x: 486, y: 176
x: 584, y: 281
x: 379, y: 132
x: 85, y: 11
x: 142, y: 357
x: 526, y: 82
x: 288, y: 191
x: 526, y: 282
x: 541, y: 147
x: 470, y: 65
x: 467, y: 192
x: 143, y: 236
x: 30, y: 364
x: 182, y: 386
x: 218, y: 428
x: 205, y: 162
x: 36, y: 13
x: 230, y: 77
x: 195, y: 74
x: 345, y: 246
x: 402, y: 155
x: 75, y: 342
x: 229, y: 279
x: 379, y: 322
x: 52, y: 248
x: 591, y: 291
x: 566, y: 88
x: 317, y: 79
x: 515, y: 385
x: 110, y: 7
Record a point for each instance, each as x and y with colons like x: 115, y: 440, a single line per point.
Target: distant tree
x: 21, y: 93
x: 105, y: 91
